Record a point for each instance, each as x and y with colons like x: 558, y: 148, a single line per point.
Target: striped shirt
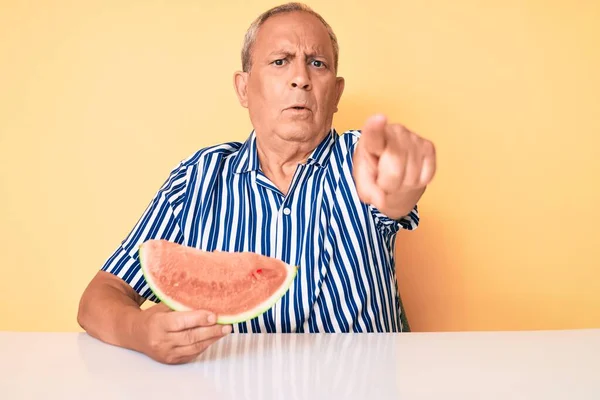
x: 219, y: 199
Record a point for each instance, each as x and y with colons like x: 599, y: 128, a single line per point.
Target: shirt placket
x: 286, y: 223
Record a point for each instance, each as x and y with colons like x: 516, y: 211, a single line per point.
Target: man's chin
x: 298, y: 131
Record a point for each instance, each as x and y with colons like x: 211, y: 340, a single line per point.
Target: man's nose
x: 300, y: 78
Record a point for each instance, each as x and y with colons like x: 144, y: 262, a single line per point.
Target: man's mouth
x: 299, y: 108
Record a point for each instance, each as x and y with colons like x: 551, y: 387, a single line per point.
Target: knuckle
x: 155, y: 345
x: 177, y: 324
x: 155, y: 322
x: 391, y: 176
x: 391, y: 161
x: 403, y: 133
x: 428, y: 147
x: 200, y: 347
x: 155, y: 341
x: 397, y: 128
x: 205, y: 318
x: 412, y: 181
x: 171, y: 359
x: 209, y: 333
x: 383, y: 204
x: 220, y: 330
x: 189, y: 336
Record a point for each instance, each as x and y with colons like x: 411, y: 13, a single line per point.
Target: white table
x: 486, y: 365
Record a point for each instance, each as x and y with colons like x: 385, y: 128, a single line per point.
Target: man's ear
x: 339, y: 89
x: 240, y: 82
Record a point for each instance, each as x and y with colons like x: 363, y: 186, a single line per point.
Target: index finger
x: 373, y: 135
x: 183, y: 320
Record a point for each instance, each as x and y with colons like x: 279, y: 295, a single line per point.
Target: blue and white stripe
x: 219, y: 199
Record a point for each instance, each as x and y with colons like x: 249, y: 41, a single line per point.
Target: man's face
x: 291, y: 90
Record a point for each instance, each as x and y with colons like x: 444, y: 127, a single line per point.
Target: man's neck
x: 279, y: 158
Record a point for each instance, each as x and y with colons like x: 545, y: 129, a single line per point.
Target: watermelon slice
x: 237, y: 286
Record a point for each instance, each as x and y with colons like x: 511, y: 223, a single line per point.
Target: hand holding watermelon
x: 174, y: 337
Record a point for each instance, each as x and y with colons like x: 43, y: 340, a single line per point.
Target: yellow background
x: 100, y: 99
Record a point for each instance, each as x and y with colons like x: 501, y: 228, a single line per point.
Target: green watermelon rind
x: 263, y: 307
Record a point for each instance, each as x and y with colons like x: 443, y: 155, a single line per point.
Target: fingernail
x: 212, y: 318
x: 226, y: 329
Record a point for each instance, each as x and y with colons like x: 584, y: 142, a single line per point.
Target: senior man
x: 294, y: 190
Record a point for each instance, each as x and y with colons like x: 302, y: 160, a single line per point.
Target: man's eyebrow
x: 281, y: 52
x: 288, y: 53
x: 315, y: 54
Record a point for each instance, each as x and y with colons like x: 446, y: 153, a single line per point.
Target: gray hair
x: 250, y: 36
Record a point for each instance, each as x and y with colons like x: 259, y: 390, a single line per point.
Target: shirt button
x: 287, y: 211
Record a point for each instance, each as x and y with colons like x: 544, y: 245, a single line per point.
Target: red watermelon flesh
x: 237, y: 286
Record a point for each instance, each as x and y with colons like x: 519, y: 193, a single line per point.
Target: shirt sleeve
x: 392, y: 226
x: 160, y: 220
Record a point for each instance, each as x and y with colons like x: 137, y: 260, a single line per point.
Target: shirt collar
x: 320, y: 155
x: 247, y: 157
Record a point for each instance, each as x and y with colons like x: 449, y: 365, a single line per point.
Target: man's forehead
x: 285, y: 31
x: 289, y: 47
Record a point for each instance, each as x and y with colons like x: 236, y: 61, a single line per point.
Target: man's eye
x: 318, y: 64
x: 279, y: 62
